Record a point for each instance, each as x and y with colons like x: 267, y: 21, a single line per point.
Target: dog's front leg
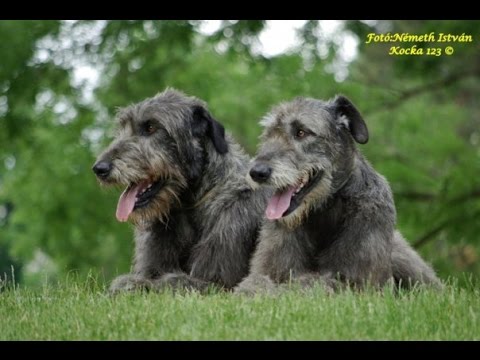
x: 221, y: 261
x: 281, y: 257
x: 156, y: 253
x: 223, y: 253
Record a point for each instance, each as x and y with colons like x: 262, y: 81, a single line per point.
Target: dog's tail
x: 408, y: 267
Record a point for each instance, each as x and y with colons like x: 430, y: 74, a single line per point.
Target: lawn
x: 85, y: 312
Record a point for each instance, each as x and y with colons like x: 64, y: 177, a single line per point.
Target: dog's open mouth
x: 286, y: 200
x: 136, y: 196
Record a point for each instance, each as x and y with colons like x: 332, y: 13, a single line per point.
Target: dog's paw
x: 256, y: 284
x: 179, y: 281
x: 129, y: 283
x: 306, y: 282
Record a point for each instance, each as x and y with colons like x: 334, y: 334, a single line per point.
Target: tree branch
x: 422, y: 240
x: 426, y: 197
x: 405, y: 95
x: 416, y: 196
x: 475, y: 193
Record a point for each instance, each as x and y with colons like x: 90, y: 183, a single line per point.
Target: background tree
x: 422, y: 113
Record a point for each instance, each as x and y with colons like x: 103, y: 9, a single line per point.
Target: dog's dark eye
x: 300, y: 134
x: 148, y: 128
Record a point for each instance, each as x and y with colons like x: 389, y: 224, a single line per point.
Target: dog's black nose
x: 102, y: 169
x: 260, y: 172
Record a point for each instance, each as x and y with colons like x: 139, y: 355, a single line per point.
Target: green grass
x: 85, y: 312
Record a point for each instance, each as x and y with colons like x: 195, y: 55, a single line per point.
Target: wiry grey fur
x: 343, y: 231
x: 202, y: 226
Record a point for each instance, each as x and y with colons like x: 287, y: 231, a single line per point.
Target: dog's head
x: 307, y: 153
x: 159, y: 150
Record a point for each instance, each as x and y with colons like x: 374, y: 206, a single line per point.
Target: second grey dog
x: 332, y: 217
x: 196, y: 219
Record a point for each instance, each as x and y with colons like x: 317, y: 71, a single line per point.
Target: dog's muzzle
x: 102, y: 169
x: 260, y: 172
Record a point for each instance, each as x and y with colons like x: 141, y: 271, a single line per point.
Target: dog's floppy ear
x: 355, y: 123
x: 205, y: 125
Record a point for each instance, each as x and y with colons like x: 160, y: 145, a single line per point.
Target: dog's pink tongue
x: 279, y: 203
x: 127, y: 201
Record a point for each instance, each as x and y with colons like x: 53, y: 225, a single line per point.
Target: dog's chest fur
x: 322, y: 226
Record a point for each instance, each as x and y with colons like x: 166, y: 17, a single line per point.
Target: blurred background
x: 62, y: 81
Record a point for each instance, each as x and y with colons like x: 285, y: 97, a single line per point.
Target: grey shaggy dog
x: 196, y: 218
x: 331, y: 218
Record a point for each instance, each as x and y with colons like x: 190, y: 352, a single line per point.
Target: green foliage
x: 82, y: 311
x: 424, y: 119
x: 422, y: 114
